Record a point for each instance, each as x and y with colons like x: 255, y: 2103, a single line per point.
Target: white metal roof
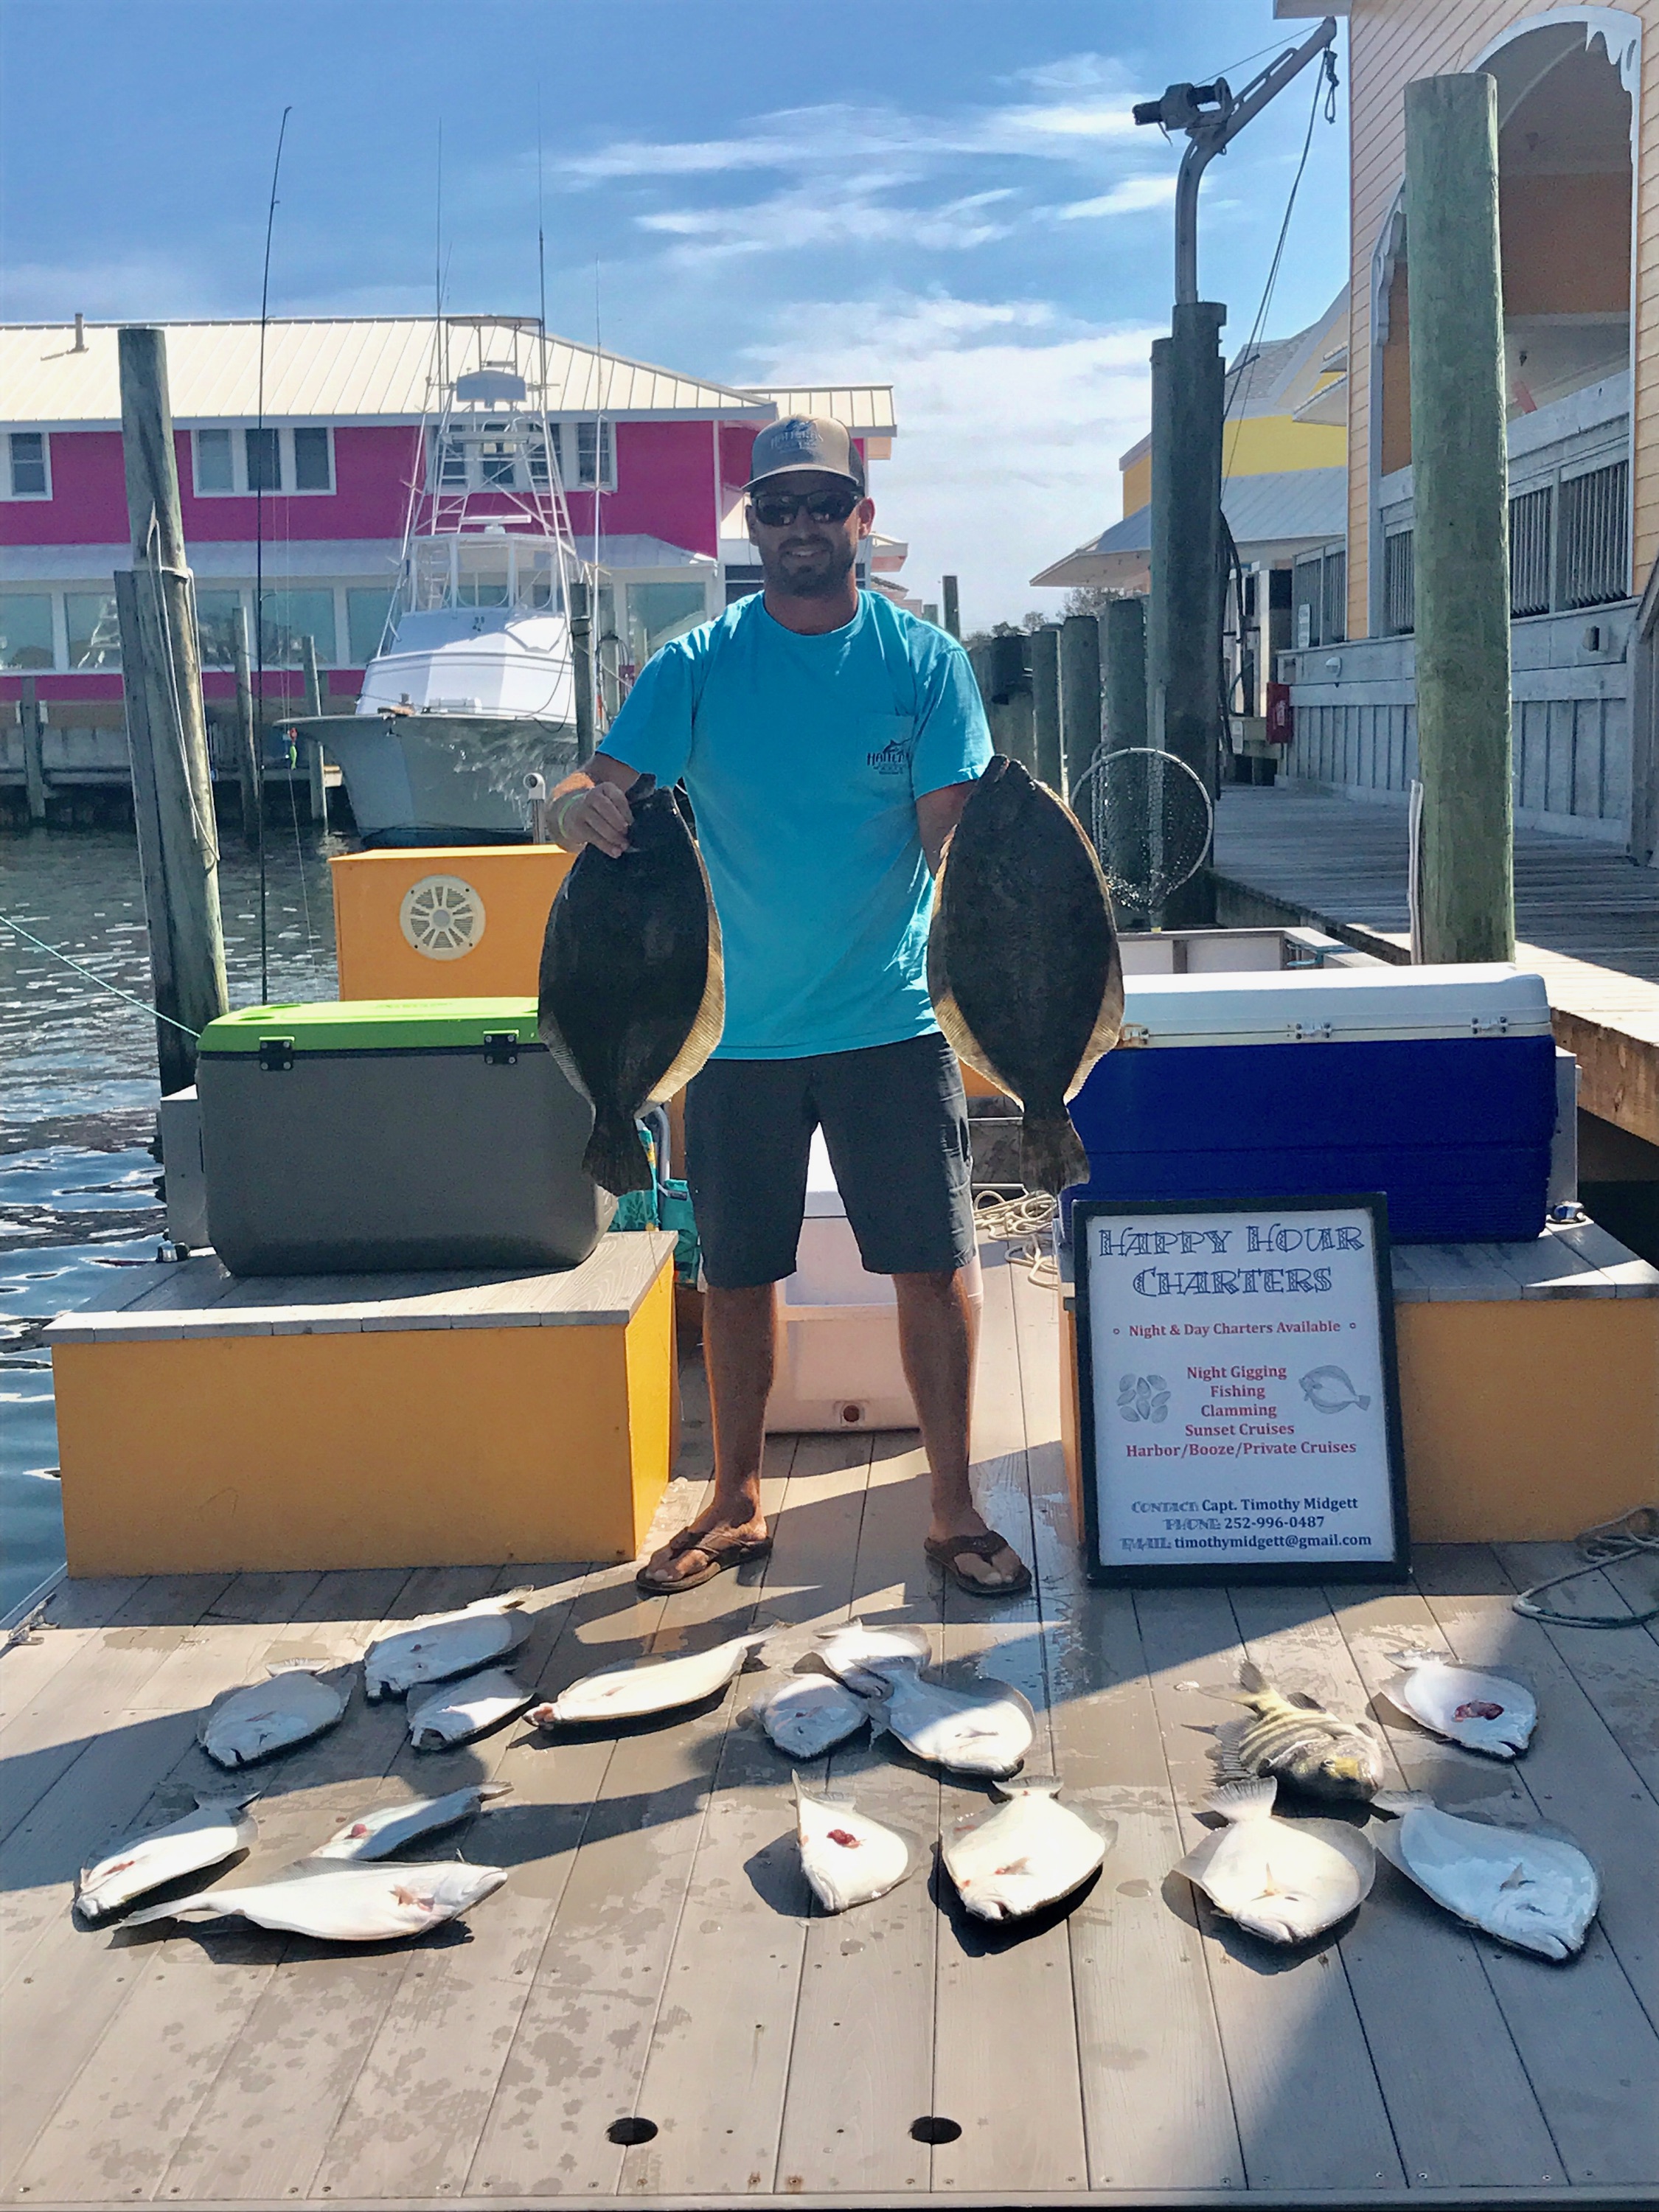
x: 380, y: 367
x: 861, y: 407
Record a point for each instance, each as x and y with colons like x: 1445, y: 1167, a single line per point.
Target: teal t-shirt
x: 804, y: 757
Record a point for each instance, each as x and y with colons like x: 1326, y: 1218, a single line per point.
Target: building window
x: 287, y: 618
x: 26, y: 630
x: 1595, y: 550
x: 366, y: 620
x: 1308, y: 602
x: 25, y: 474
x: 278, y: 458
x: 1530, y: 518
x: 590, y: 455
x: 659, y: 612
x: 1399, y: 585
x: 94, y: 634
x: 1334, y: 624
x: 215, y: 627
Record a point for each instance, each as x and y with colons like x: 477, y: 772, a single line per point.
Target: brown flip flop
x: 719, y: 1558
x: 948, y: 1552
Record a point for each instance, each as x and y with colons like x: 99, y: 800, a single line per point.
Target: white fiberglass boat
x: 472, y: 692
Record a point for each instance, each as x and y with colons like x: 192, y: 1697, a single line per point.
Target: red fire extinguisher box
x: 1278, y: 713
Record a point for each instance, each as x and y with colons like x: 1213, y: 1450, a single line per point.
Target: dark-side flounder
x: 1023, y: 962
x: 633, y: 990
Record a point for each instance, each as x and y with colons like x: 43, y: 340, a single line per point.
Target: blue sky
x: 944, y: 194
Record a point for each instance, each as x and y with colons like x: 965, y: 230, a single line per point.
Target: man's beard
x: 819, y: 578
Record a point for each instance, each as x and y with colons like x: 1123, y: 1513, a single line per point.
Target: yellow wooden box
x: 444, y: 921
x: 211, y: 1425
x: 1528, y: 1386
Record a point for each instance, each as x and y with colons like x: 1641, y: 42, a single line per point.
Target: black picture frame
x: 1192, y: 1572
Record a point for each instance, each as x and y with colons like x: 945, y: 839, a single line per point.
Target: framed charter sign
x: 1238, y: 1397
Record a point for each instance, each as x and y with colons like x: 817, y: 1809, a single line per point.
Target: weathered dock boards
x: 656, y: 1957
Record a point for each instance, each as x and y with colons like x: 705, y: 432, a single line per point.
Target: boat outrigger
x: 472, y: 692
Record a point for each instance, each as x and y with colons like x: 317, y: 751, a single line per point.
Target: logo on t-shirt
x: 893, y: 759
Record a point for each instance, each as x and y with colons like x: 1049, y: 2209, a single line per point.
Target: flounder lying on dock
x: 219, y: 1827
x: 345, y: 1904
x: 466, y: 1709
x: 1023, y: 1853
x: 291, y: 1707
x: 633, y: 986
x: 848, y: 1858
x: 388, y: 1827
x: 1484, y: 1712
x: 642, y: 1686
x: 985, y: 1730
x: 446, y: 1645
x: 808, y: 1715
x: 1023, y: 962
x: 1526, y: 1887
x: 1286, y: 1881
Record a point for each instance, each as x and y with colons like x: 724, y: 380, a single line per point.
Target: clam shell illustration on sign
x: 249, y: 1723
x: 1286, y: 1880
x: 446, y: 1645
x: 345, y: 1904
x: 1023, y: 962
x: 633, y: 986
x: 219, y: 1827
x: 1023, y: 1853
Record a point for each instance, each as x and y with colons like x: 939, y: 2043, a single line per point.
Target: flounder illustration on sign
x: 1328, y: 1390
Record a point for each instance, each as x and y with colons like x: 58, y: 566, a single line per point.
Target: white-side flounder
x: 444, y: 1644
x: 808, y: 1714
x: 219, y: 1827
x: 345, y: 1904
x: 640, y: 1686
x: 1536, y: 1891
x: 1022, y: 1854
x: 463, y: 1710
x: 985, y: 1730
x: 843, y: 1650
x: 250, y: 1723
x: 388, y: 1827
x: 1485, y: 1712
x: 848, y: 1858
x: 1286, y: 1880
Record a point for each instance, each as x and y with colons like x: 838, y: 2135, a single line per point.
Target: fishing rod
x: 259, y: 577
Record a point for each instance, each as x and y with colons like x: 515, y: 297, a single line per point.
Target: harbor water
x: 78, y: 1095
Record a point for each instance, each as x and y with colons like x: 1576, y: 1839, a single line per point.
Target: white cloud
x: 1011, y: 421
x: 808, y: 216
x: 1131, y: 196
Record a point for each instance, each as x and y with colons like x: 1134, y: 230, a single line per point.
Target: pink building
x: 653, y: 461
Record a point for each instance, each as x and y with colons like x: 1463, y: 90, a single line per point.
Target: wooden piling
x: 952, y: 607
x: 1045, y: 708
x: 167, y: 730
x: 1460, y: 484
x: 314, y: 745
x: 1079, y: 694
x: 35, y: 765
x: 249, y: 773
x: 1123, y: 653
x: 581, y: 660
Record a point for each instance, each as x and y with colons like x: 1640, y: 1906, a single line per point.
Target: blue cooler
x: 1434, y: 1084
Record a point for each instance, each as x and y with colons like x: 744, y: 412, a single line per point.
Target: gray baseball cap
x: 803, y: 442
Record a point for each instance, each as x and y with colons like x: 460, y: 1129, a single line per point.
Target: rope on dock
x: 1631, y: 1535
x: 40, y: 944
x: 1022, y: 1224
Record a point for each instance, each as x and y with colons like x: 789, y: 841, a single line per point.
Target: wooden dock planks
x: 655, y: 1953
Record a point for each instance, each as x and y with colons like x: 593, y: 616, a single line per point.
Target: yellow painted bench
x: 209, y: 1424
x: 1528, y: 1386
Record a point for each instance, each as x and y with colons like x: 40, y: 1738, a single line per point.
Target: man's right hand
x: 589, y: 810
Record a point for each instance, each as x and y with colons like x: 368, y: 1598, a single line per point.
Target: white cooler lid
x: 822, y: 1196
x: 1352, y: 1006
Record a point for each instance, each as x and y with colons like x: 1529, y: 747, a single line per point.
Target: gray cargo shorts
x: 896, y: 1123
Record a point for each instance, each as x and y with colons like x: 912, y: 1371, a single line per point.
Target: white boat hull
x: 442, y: 779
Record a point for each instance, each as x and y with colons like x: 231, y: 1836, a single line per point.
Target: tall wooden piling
x: 1079, y: 694
x: 319, y: 789
x: 581, y: 662
x: 1045, y: 708
x: 1460, y: 483
x: 1123, y: 655
x: 952, y: 607
x: 167, y: 730
x: 35, y: 751
x: 249, y: 773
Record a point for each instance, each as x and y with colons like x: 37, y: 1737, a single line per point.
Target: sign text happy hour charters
x: 1240, y: 1409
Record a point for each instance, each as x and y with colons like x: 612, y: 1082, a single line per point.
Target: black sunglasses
x: 777, y: 509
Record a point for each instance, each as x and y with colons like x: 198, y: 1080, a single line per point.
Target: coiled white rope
x: 1022, y: 1224
x: 1632, y: 1535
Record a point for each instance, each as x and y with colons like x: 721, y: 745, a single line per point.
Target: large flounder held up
x: 633, y: 986
x: 1023, y: 962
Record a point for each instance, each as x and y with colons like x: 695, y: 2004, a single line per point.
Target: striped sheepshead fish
x: 1292, y: 1736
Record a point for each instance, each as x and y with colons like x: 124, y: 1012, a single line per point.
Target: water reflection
x: 77, y: 1106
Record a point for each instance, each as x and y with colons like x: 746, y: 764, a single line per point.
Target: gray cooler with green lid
x: 361, y: 1135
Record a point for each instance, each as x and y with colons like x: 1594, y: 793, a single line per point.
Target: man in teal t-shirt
x: 827, y: 743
